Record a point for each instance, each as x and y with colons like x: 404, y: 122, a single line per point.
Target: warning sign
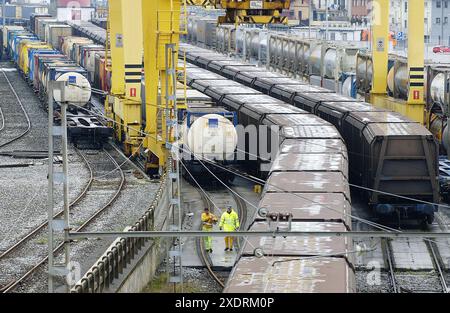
x: 255, y: 5
x: 416, y: 95
x: 380, y: 44
x: 132, y: 92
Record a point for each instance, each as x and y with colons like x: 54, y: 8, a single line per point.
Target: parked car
x: 441, y: 49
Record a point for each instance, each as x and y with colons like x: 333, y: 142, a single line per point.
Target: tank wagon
x: 343, y: 67
x: 40, y: 64
x: 309, y: 149
x: 208, y: 133
x: 393, y: 160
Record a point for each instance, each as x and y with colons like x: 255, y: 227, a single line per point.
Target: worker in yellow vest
x: 229, y: 222
x: 208, y: 220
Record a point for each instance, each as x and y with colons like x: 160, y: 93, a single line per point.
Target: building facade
x: 440, y: 27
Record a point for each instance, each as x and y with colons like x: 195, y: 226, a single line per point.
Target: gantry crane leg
x: 380, y: 45
x: 126, y: 55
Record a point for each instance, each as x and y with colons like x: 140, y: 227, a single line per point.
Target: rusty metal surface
x: 320, y: 132
x: 353, y: 107
x: 380, y: 117
x: 278, y: 81
x: 256, y: 98
x: 322, y: 275
x: 297, y: 119
x: 295, y: 162
x: 313, y: 146
x: 308, y: 182
x: 275, y: 109
x: 298, y: 245
x: 397, y: 129
x: 309, y: 206
x: 301, y: 89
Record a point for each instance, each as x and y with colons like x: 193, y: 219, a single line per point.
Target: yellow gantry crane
x: 154, y: 28
x: 125, y: 43
x: 161, y: 27
x: 414, y: 107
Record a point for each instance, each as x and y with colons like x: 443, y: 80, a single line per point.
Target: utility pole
x: 326, y: 19
x: 173, y: 165
x: 3, y: 12
x: 309, y: 20
x: 55, y: 177
x: 442, y: 40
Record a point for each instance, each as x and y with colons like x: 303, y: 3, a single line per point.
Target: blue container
x: 32, y: 54
x: 56, y: 72
x: 10, y: 11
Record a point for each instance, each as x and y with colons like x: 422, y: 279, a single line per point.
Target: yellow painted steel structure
x: 126, y: 45
x: 414, y: 107
x: 254, y: 12
x: 246, y: 11
x: 416, y: 48
x: 150, y: 26
x: 380, y: 44
x: 161, y: 27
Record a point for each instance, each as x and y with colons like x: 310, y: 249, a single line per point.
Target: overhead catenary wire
x: 260, y: 181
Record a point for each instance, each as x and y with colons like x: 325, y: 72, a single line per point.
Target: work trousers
x: 208, y: 240
x: 229, y: 242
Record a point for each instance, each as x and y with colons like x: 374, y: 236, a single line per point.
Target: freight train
x: 307, y: 189
x: 78, y: 48
x: 341, y: 66
x: 393, y: 160
x: 54, y: 56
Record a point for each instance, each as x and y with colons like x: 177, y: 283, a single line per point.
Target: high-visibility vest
x: 208, y: 220
x: 229, y: 221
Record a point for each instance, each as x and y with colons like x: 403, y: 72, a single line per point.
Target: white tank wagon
x: 78, y: 90
x: 208, y: 133
x: 438, y: 102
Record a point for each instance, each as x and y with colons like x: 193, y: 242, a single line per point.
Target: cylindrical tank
x: 437, y: 89
x: 398, y: 81
x: 192, y: 29
x: 315, y: 59
x: 347, y: 86
x: 365, y: 71
x: 254, y: 42
x: 77, y: 92
x: 439, y: 129
x: 211, y: 136
x: 329, y: 62
x: 240, y: 41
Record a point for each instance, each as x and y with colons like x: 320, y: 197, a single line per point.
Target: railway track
x: 3, y: 117
x: 437, y: 274
x: 82, y: 214
x: 204, y: 256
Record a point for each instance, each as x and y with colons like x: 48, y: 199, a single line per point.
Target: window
x: 438, y: 20
x: 344, y: 36
x: 445, y: 20
x: 425, y: 20
x: 406, y: 6
x: 406, y: 24
x: 438, y: 4
x: 446, y: 4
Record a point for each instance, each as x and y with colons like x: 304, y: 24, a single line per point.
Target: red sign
x: 416, y: 94
x: 132, y: 92
x: 73, y: 3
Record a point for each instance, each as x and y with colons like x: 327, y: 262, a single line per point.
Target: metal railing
x: 119, y: 254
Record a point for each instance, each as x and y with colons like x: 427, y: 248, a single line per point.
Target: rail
x: 120, y: 254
